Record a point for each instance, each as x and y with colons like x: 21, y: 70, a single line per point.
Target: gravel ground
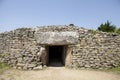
x: 58, y: 73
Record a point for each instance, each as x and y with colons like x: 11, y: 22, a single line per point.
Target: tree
x: 118, y: 31
x: 107, y: 27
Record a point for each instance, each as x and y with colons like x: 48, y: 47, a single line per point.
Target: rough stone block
x: 38, y: 67
x: 31, y: 65
x: 20, y: 65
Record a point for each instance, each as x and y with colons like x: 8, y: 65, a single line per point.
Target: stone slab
x: 57, y: 38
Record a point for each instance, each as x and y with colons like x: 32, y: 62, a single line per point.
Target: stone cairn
x: 95, y: 49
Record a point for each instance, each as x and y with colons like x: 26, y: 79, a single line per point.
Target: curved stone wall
x: 94, y: 49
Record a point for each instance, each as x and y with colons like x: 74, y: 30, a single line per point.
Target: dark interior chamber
x: 55, y: 55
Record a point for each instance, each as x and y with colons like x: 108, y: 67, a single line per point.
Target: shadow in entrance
x: 55, y: 56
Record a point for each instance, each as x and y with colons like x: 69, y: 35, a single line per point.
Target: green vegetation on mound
x: 108, y: 27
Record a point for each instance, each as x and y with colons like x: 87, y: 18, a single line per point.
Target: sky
x: 83, y: 13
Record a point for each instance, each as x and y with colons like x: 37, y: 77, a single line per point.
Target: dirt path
x: 58, y: 73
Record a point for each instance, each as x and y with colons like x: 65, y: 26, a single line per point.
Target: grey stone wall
x: 97, y: 50
x: 19, y: 49
x: 94, y: 49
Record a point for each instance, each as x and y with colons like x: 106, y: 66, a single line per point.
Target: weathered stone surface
x: 20, y: 64
x: 38, y: 68
x: 57, y: 38
x: 31, y: 65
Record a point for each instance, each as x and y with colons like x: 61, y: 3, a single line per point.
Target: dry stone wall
x: 97, y: 50
x: 19, y: 49
x: 94, y: 49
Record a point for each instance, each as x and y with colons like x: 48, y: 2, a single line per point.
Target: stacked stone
x: 54, y: 28
x: 94, y: 49
x: 19, y: 48
x: 98, y: 51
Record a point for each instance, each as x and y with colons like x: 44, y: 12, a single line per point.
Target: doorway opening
x: 56, y: 55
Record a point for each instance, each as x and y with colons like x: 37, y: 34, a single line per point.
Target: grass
x: 94, y: 32
x: 3, y: 67
x: 117, y: 70
x: 114, y: 70
x: 23, y: 29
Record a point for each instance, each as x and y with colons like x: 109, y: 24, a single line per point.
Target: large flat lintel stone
x: 57, y: 38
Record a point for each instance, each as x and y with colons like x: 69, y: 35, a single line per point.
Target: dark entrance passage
x: 56, y: 54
